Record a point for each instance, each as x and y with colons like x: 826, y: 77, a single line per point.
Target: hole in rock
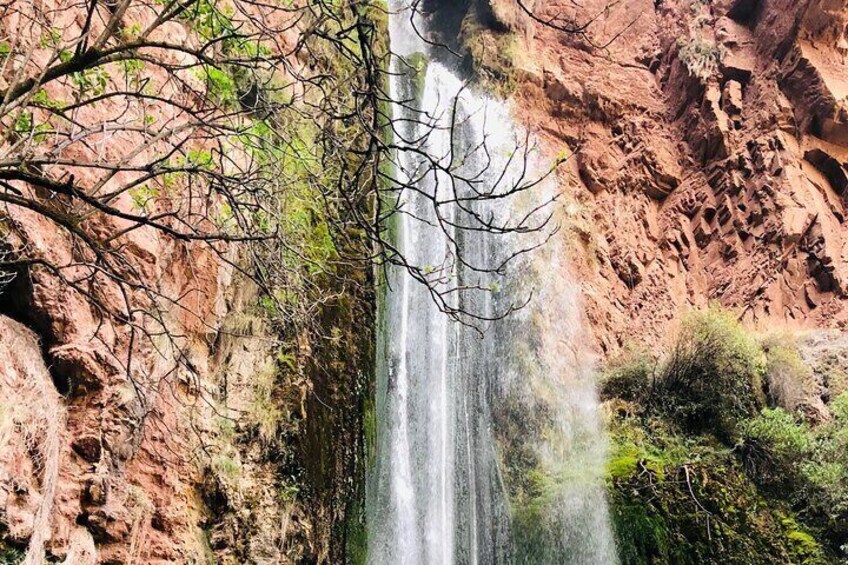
x: 17, y: 303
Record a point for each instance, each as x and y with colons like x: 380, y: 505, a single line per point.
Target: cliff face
x: 193, y: 426
x: 709, y: 147
x: 709, y: 151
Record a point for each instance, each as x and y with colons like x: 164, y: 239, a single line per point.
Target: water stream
x: 488, y: 446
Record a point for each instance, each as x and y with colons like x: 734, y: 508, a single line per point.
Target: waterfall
x: 488, y: 446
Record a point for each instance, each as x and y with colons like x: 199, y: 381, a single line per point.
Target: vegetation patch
x: 700, y: 56
x: 10, y: 555
x: 490, y: 53
x: 705, y: 467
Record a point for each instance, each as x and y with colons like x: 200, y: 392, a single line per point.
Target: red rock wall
x: 115, y: 447
x: 711, y: 155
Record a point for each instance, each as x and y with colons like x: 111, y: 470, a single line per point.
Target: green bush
x: 778, y: 429
x: 823, y: 492
x: 701, y: 472
x: 677, y: 501
x: 713, y: 377
x: 789, y: 381
x: 773, y: 444
x: 839, y: 408
x: 803, y: 465
x: 628, y: 378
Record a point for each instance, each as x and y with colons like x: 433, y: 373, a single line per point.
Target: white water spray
x: 463, y: 420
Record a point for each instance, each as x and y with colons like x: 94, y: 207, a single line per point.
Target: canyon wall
x: 707, y: 148
x: 169, y: 410
x: 708, y: 151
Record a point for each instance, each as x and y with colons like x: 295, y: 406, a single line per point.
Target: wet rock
x: 106, y: 526
x: 711, y: 141
x: 507, y: 15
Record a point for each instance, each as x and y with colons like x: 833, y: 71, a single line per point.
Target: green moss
x: 491, y: 53
x: 10, y: 555
x: 208, y: 557
x: 417, y: 64
x: 698, y: 508
x: 698, y: 473
x: 807, y: 550
x: 639, y: 532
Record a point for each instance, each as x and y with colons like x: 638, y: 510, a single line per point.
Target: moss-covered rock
x: 689, y: 501
x: 491, y: 50
x: 701, y: 471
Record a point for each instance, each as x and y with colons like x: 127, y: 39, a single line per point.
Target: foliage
x: 787, y: 376
x: 803, y: 464
x: 700, y: 56
x: 10, y: 555
x: 675, y: 500
x: 628, y: 377
x: 779, y: 430
x: 712, y: 377
x: 225, y: 468
x: 773, y: 443
x: 709, y: 380
x: 700, y: 471
x: 839, y: 407
x: 265, y: 413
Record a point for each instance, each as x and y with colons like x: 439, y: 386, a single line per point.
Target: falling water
x: 488, y: 445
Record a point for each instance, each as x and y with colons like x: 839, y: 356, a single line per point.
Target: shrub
x: 839, y: 408
x: 802, y: 464
x: 701, y: 57
x: 789, y: 381
x: 713, y: 377
x: 778, y: 429
x: 10, y: 555
x: 778, y: 495
x: 700, y: 508
x: 628, y: 378
x: 773, y: 445
x: 823, y: 488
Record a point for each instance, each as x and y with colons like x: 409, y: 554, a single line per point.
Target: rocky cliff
x: 169, y: 393
x: 707, y: 147
x: 709, y: 150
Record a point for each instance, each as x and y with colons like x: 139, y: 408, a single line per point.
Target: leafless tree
x: 211, y: 139
x: 261, y: 134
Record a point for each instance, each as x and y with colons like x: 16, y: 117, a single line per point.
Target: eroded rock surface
x: 710, y: 156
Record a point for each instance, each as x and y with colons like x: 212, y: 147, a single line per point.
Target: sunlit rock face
x: 710, y: 153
